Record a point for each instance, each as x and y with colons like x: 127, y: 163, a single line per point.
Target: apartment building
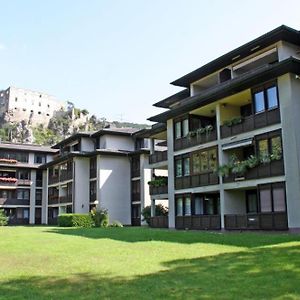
x: 105, y: 169
x: 232, y: 138
x: 21, y: 181
x: 24, y: 104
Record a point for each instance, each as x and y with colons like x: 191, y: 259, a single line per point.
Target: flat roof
x: 281, y: 33
x: 72, y: 138
x: 26, y: 147
x: 232, y: 86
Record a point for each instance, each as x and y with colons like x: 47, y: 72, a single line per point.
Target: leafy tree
x: 160, y: 210
x: 3, y: 218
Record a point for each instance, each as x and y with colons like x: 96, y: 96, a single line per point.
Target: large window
x: 182, y: 166
x: 265, y: 98
x: 272, y: 198
x: 23, y: 194
x: 179, y: 207
x: 270, y: 146
x: 252, y: 205
x: 39, y: 158
x: 204, y: 161
x: 181, y: 128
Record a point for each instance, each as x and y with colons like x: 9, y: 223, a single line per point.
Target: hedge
x: 75, y: 220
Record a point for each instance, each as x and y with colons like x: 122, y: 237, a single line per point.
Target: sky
x: 117, y: 57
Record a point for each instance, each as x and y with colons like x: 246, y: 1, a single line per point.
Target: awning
x: 238, y: 144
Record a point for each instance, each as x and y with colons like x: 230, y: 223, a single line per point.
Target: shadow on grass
x: 261, y: 273
x: 139, y: 234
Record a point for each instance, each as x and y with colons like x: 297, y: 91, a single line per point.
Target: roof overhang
x: 233, y: 86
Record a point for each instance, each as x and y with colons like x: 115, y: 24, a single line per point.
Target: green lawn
x: 141, y: 263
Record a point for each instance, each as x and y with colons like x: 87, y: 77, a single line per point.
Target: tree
x: 3, y: 218
x: 160, y: 210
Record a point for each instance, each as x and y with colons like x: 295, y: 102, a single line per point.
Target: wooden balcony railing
x: 196, y: 140
x: 274, y: 168
x: 65, y: 175
x: 14, y: 201
x: 196, y: 180
x: 159, y: 222
x: 158, y: 156
x: 252, y: 122
x: 156, y: 190
x: 53, y: 179
x: 53, y: 200
x: 259, y: 221
x: 200, y: 222
x: 65, y: 199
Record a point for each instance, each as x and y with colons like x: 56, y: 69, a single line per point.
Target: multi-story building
x: 21, y: 181
x: 107, y: 169
x: 232, y: 137
x: 23, y: 104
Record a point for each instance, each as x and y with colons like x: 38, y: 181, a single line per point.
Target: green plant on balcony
x: 276, y: 153
x: 265, y: 158
x: 8, y: 179
x: 3, y: 218
x: 233, y: 121
x: 252, y: 161
x: 160, y: 210
x: 158, y: 181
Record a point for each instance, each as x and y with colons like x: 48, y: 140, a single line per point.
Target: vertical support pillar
x: 32, y: 197
x: 45, y: 198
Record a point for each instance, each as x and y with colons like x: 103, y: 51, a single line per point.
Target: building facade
x: 23, y: 104
x: 21, y: 181
x: 233, y: 141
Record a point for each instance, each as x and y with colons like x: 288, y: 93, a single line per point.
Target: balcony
x: 65, y: 175
x: 194, y: 139
x: 158, y: 156
x: 24, y: 182
x: 8, y: 181
x: 199, y: 222
x: 196, y: 180
x: 259, y: 221
x: 157, y: 190
x: 13, y: 201
x: 65, y: 199
x: 53, y: 179
x: 251, y: 123
x: 53, y: 200
x: 274, y: 168
x: 159, y: 222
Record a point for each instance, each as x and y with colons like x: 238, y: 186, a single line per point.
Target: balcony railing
x: 53, y: 200
x: 65, y: 199
x: 200, y: 222
x: 274, y: 168
x: 159, y: 222
x: 8, y: 181
x: 158, y: 156
x: 252, y: 122
x: 24, y: 182
x: 14, y: 201
x: 196, y: 180
x: 195, y: 140
x: 156, y: 190
x: 259, y: 221
x: 65, y: 175
x: 53, y: 179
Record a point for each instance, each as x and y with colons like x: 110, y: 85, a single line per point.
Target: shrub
x: 75, y: 220
x: 116, y: 224
x: 160, y: 210
x: 3, y: 218
x: 100, y: 217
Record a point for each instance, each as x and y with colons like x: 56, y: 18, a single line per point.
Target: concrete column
x: 152, y: 145
x: 171, y: 185
x: 98, y: 183
x: 289, y: 95
x: 32, y: 197
x: 145, y: 177
x: 221, y: 162
x: 45, y: 198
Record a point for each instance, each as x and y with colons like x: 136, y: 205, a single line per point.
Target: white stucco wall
x: 114, y: 187
x: 81, y: 185
x: 116, y: 142
x: 87, y: 144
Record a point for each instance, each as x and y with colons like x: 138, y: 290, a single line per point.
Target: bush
x: 75, y: 220
x: 3, y: 218
x: 160, y: 210
x: 100, y: 217
x: 116, y: 224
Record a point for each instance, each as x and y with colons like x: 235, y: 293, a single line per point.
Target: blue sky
x: 116, y: 58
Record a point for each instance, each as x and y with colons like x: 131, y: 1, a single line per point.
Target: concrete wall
x: 81, y: 185
x: 289, y: 96
x: 286, y: 50
x: 116, y: 142
x: 234, y: 202
x: 87, y: 144
x: 114, y: 187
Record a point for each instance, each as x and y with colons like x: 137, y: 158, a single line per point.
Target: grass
x: 141, y: 263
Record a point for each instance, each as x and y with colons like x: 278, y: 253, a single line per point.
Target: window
x: 26, y: 213
x: 38, y: 195
x: 39, y: 158
x: 186, y: 166
x: 16, y: 99
x: 196, y: 162
x: 204, y: 161
x: 187, y: 206
x: 265, y: 98
x: 265, y: 200
x: 178, y: 170
x: 23, y: 194
x: 178, y: 130
x: 24, y: 174
x: 276, y: 147
x: 181, y: 128
x: 259, y: 102
x: 179, y: 207
x: 252, y: 202
x: 40, y: 104
x: 278, y: 199
x: 270, y: 146
x: 272, y: 97
x: 198, y: 205
x: 263, y: 148
x: 212, y: 159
